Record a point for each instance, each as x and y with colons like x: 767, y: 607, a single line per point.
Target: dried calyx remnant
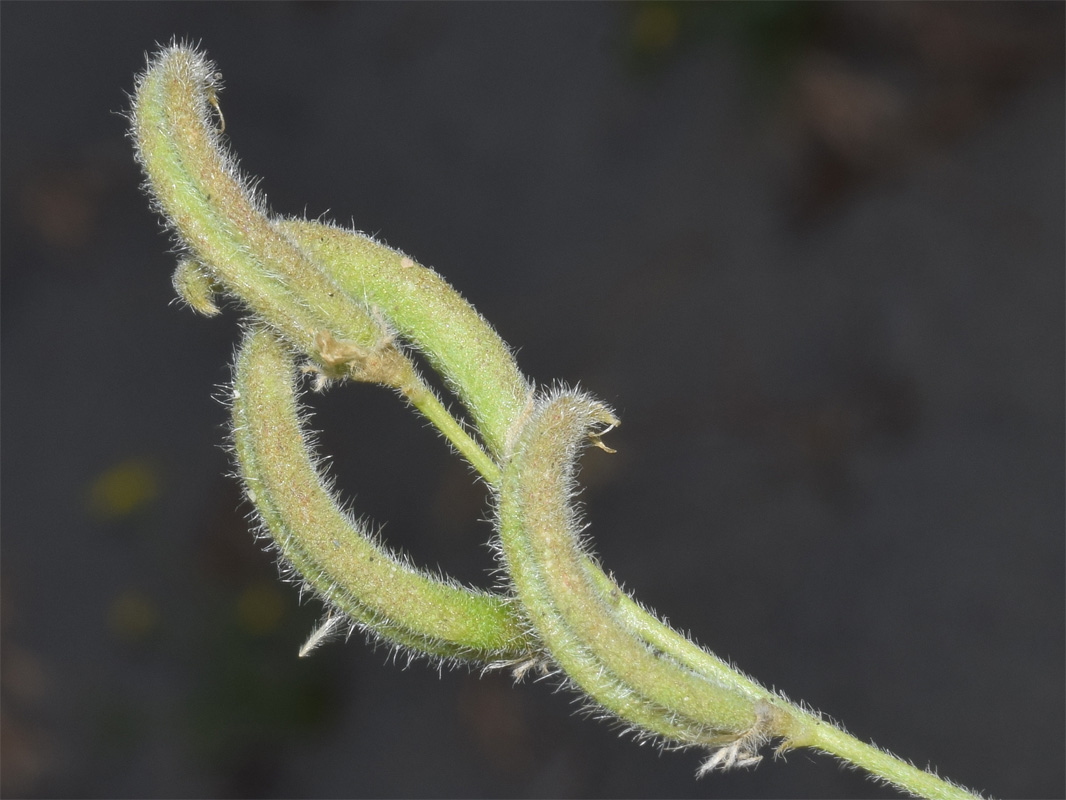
x: 343, y: 306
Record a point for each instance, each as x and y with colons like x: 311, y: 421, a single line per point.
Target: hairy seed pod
x: 595, y: 645
x: 223, y: 224
x: 424, y: 309
x: 337, y: 557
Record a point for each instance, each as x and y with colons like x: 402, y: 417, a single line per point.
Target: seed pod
x: 598, y: 647
x: 337, y: 557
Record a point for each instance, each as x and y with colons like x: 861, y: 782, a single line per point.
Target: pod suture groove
x: 340, y: 305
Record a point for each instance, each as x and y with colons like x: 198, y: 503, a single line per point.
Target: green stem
x: 430, y: 406
x: 920, y: 783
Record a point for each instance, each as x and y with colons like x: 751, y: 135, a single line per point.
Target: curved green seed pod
x: 333, y: 555
x: 456, y: 340
x: 199, y: 190
x: 578, y: 624
x: 222, y: 223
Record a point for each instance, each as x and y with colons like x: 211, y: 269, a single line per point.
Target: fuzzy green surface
x: 548, y: 566
x: 199, y: 190
x: 456, y: 340
x: 343, y: 563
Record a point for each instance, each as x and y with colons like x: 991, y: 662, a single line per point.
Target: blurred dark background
x: 813, y: 254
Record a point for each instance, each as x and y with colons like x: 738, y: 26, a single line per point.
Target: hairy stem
x: 889, y: 768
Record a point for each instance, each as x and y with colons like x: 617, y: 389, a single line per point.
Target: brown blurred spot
x: 26, y: 756
x: 492, y: 712
x: 856, y: 116
x: 898, y: 80
x: 25, y: 688
x: 62, y: 205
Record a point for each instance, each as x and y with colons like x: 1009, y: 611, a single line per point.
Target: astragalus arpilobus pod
x: 343, y: 306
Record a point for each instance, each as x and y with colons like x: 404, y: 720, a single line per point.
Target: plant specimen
x: 337, y: 305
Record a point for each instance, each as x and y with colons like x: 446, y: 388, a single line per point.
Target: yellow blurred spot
x: 260, y: 608
x: 654, y: 27
x: 133, y: 615
x: 124, y: 489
